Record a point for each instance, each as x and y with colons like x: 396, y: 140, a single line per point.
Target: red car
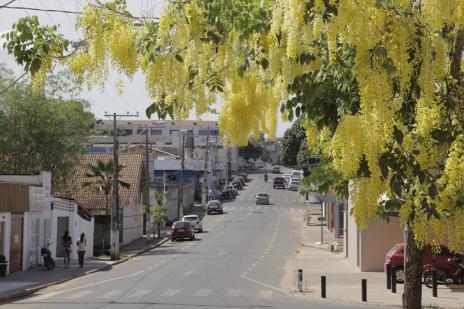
x: 181, y: 230
x: 395, y: 258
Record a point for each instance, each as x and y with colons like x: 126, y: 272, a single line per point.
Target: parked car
x: 262, y: 198
x: 293, y: 184
x: 275, y: 170
x: 181, y: 230
x: 241, y: 179
x: 214, y: 206
x: 395, y: 258
x: 297, y: 174
x: 231, y: 188
x: 194, y: 221
x: 237, y: 185
x: 278, y: 182
x: 245, y: 177
x: 226, y: 195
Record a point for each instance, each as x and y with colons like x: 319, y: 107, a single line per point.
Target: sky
x: 134, y: 98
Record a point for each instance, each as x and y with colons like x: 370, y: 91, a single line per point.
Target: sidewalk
x: 26, y: 282
x: 344, y: 280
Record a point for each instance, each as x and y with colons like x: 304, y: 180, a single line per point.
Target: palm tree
x: 101, y: 180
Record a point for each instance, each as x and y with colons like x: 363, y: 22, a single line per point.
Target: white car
x: 297, y: 174
x: 287, y: 177
x: 262, y: 198
x: 194, y: 221
x: 293, y: 184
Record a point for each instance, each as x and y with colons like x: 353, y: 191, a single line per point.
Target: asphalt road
x: 236, y: 263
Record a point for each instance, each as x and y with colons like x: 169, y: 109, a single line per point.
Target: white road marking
x: 78, y: 295
x: 265, y: 294
x: 189, y: 273
x: 172, y: 292
x: 234, y: 293
x: 140, y: 293
x: 202, y: 292
x: 45, y: 296
x: 111, y: 294
x: 221, y: 253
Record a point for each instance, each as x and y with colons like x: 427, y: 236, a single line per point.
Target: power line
x: 12, y: 84
x: 68, y: 12
x: 6, y: 4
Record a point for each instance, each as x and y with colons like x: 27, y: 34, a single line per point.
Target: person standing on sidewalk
x: 81, y: 244
x: 66, y: 242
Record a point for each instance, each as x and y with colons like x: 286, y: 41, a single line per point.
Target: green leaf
x: 398, y: 135
x: 179, y: 58
x: 433, y: 190
x: 396, y: 184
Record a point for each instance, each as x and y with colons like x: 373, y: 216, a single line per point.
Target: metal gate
x: 16, y: 244
x: 35, y: 242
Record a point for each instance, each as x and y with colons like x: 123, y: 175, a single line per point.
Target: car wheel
x: 221, y: 212
x: 192, y: 238
x: 200, y: 231
x: 428, y: 280
x: 173, y: 239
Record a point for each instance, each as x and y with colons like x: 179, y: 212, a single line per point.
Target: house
x: 366, y: 249
x: 67, y: 215
x: 30, y: 218
x: 24, y: 218
x: 130, y: 199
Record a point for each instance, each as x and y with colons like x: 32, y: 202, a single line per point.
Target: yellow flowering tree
x: 378, y: 81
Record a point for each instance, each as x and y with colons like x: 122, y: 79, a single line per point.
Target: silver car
x: 262, y: 198
x: 214, y: 206
x: 194, y: 221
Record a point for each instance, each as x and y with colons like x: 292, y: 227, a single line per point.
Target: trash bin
x: 3, y: 266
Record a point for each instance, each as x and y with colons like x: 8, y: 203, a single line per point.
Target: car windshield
x: 190, y: 218
x: 178, y: 224
x: 262, y: 195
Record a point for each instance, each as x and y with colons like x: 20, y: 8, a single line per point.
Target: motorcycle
x: 452, y: 275
x: 46, y: 254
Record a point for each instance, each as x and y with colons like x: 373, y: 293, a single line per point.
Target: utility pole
x: 147, y: 189
x: 205, y: 174
x: 116, y: 225
x: 180, y: 200
x: 215, y: 164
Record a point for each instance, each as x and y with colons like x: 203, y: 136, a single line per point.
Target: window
x: 173, y: 132
x: 211, y: 132
x: 156, y: 132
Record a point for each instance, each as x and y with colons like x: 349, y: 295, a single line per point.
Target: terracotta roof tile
x: 131, y: 173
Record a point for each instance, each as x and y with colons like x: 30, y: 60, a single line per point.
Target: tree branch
x: 457, y: 55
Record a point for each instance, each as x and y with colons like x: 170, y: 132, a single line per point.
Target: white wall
x: 77, y: 225
x: 28, y: 246
x: 6, y: 218
x: 132, y: 223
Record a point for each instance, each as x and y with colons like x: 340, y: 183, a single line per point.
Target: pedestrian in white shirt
x: 81, y: 243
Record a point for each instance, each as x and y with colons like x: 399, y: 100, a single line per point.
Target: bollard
x: 300, y: 280
x: 323, y: 284
x: 434, y: 283
x: 364, y: 289
x: 393, y: 279
x: 389, y: 278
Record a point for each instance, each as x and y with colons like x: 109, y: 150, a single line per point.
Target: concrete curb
x: 23, y: 293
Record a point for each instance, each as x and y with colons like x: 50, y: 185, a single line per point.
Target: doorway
x: 61, y: 227
x: 2, y: 240
x: 16, y: 244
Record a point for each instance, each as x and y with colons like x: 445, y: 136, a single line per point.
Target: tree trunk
x: 412, y: 295
x: 159, y: 230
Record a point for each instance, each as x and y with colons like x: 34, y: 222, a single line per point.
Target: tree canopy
x: 39, y: 131
x: 378, y: 83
